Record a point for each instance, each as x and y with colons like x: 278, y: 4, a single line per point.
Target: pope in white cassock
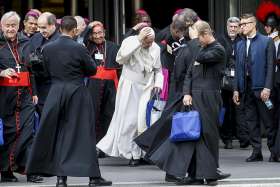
x: 141, y: 73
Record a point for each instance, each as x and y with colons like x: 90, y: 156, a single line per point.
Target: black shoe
x: 100, y: 154
x: 144, y: 161
x: 244, y: 145
x: 8, y: 176
x: 228, y: 145
x: 273, y: 158
x: 34, y: 178
x: 222, y: 175
x: 172, y: 178
x: 255, y: 157
x: 134, y: 162
x: 61, y: 181
x: 188, y: 181
x: 99, y: 181
x: 211, y: 182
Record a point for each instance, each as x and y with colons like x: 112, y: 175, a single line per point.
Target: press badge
x: 98, y: 56
x: 232, y: 72
x: 169, y: 49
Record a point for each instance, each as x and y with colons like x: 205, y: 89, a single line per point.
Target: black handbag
x: 228, y: 79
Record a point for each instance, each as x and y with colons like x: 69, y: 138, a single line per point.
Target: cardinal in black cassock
x: 103, y: 85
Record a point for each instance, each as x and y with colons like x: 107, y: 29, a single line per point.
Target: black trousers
x: 227, y: 130
x: 242, y: 130
x: 234, y: 120
x: 255, y: 113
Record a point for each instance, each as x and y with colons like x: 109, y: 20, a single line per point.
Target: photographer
x: 47, y: 34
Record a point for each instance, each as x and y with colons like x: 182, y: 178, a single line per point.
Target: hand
x: 145, y: 33
x: 9, y: 73
x: 35, y: 99
x: 139, y: 26
x: 235, y: 98
x: 265, y: 94
x: 193, y: 33
x: 187, y: 100
x: 156, y: 90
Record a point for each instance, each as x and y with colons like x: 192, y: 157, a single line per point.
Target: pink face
x: 10, y: 27
x: 147, y: 42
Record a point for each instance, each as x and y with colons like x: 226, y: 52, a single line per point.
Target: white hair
x: 8, y: 15
x: 80, y: 20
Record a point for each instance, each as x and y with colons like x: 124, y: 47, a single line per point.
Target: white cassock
x: 140, y: 74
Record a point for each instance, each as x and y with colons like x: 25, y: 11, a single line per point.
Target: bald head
x: 47, y: 24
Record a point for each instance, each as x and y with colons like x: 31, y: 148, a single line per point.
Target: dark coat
x: 37, y: 42
x: 262, y: 63
x: 65, y: 142
x: 16, y: 110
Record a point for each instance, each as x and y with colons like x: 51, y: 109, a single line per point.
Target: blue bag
x: 1, y: 132
x: 149, y: 108
x: 36, y: 122
x: 154, y: 109
x: 222, y: 116
x: 186, y: 126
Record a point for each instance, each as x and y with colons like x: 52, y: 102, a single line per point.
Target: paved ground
x: 258, y: 174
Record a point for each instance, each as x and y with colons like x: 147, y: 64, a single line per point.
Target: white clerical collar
x: 273, y: 35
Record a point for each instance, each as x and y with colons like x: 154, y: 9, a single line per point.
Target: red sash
x: 22, y: 80
x: 106, y: 74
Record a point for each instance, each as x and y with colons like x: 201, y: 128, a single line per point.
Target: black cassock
x: 152, y: 138
x: 65, y: 142
x: 197, y: 158
x: 103, y: 92
x: 16, y: 109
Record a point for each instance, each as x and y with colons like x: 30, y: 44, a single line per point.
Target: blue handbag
x: 222, y: 116
x: 186, y: 126
x: 36, y: 122
x: 1, y: 132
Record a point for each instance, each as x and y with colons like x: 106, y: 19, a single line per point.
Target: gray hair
x: 9, y: 14
x: 233, y: 20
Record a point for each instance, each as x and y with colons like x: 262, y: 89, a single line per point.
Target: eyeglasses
x: 245, y: 24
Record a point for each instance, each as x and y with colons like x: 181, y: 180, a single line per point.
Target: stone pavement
x: 257, y: 174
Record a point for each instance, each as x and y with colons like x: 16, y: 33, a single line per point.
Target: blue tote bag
x: 186, y: 126
x: 1, y: 132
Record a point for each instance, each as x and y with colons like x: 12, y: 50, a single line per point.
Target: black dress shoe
x: 228, y: 145
x: 188, y: 181
x: 8, y: 176
x: 171, y: 178
x: 211, y: 182
x: 273, y: 158
x: 222, y: 175
x: 99, y: 181
x: 255, y: 158
x: 134, y: 162
x: 244, y: 145
x: 61, y: 181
